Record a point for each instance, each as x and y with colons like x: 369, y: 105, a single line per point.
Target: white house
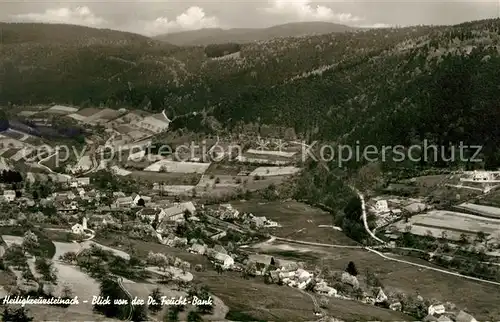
x: 177, y: 211
x: 270, y: 223
x: 224, y: 259
x: 482, y: 176
x: 436, y: 309
x: 227, y: 211
x: 151, y: 214
x: 124, y: 202
x: 259, y: 221
x: 198, y: 249
x: 303, y: 285
x: 79, y: 229
x: 9, y: 195
x: 381, y: 206
x: 81, y: 192
x: 302, y: 275
x: 284, y: 275
x: 325, y: 290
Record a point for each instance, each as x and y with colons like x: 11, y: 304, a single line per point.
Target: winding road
x: 120, y: 283
x: 365, y: 220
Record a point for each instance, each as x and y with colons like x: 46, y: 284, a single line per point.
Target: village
x: 194, y: 214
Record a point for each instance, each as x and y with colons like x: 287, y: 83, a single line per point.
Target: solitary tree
x: 273, y: 262
x: 140, y: 313
x: 17, y: 315
x: 141, y: 202
x: 351, y: 269
x: 194, y: 316
x: 156, y: 296
x: 30, y: 241
x: 172, y: 314
x: 481, y: 237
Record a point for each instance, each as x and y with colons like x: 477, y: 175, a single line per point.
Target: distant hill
x: 209, y: 36
x: 41, y: 33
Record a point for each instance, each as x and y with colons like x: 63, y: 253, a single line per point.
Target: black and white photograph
x: 249, y: 160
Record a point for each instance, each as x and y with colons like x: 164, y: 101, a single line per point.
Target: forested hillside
x: 383, y: 87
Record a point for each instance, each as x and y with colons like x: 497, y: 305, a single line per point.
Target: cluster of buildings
x: 447, y: 313
x: 384, y: 213
x: 227, y: 212
x: 481, y: 176
x: 218, y: 255
x: 388, y: 211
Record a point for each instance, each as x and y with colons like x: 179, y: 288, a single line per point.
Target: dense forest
x: 398, y: 86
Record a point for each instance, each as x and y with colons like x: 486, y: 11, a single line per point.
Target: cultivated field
x: 177, y: 273
x: 63, y: 248
x: 10, y: 143
x: 102, y: 116
x: 83, y: 164
x: 60, y: 109
x: 14, y: 134
x: 274, y: 171
x: 454, y: 223
x: 12, y: 240
x: 80, y: 283
x: 217, y: 168
x: 221, y: 181
x: 88, y: 111
x: 298, y: 220
x: 283, y: 154
x: 178, y: 167
x: 169, y: 179
x: 119, y: 171
x: 178, y: 190
x: 4, y: 164
x: 481, y: 210
x: 261, y: 161
x: 116, y: 252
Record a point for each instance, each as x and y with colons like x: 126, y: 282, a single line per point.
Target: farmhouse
x: 123, y: 202
x: 177, y: 212
x: 118, y: 194
x: 436, y: 309
x: 482, y: 176
x: 198, y: 249
x: 154, y: 123
x: 323, y: 289
x: 9, y: 195
x: 151, y: 214
x: 259, y: 221
x: 381, y: 206
x: 225, y: 260
x: 80, y: 182
x: 227, y: 212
